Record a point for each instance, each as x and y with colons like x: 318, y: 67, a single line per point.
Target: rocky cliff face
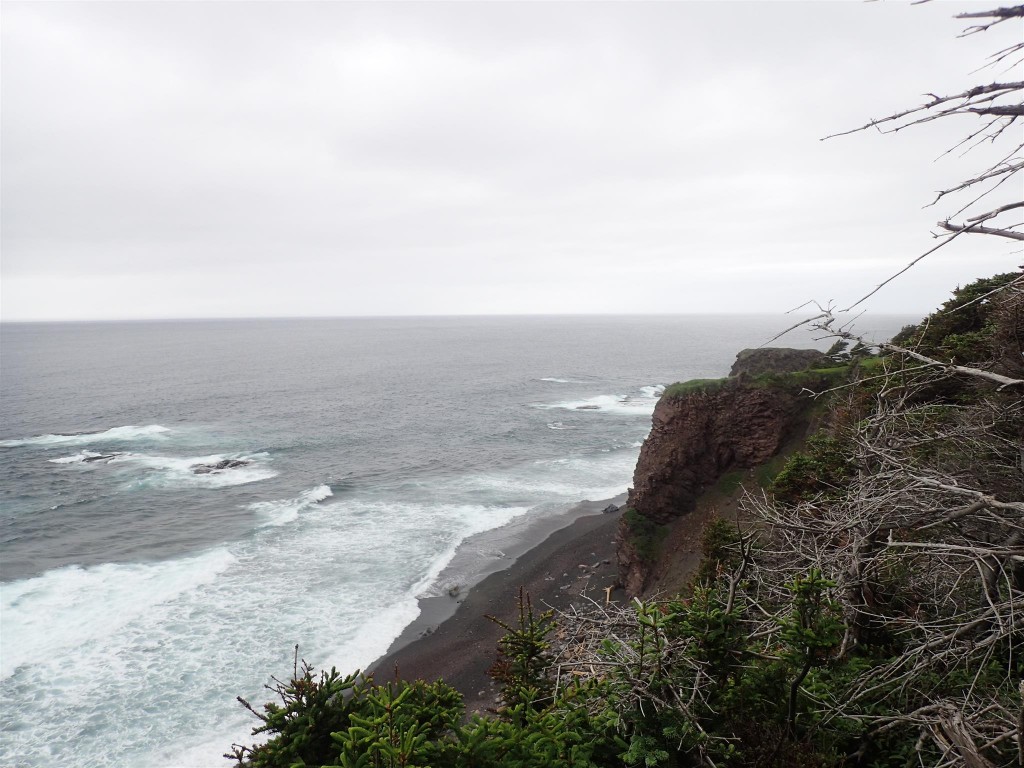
x: 696, y: 437
x: 699, y: 437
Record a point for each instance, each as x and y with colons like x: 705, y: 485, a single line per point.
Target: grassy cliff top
x: 813, y: 379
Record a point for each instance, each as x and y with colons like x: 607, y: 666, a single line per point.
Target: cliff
x: 701, y: 431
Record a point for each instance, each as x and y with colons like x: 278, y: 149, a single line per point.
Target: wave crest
x: 62, y: 609
x: 84, y: 456
x: 149, y: 432
x: 285, y: 511
x: 640, y: 403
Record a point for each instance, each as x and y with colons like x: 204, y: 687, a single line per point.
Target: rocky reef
x: 218, y: 466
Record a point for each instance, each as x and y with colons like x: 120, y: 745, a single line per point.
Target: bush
x: 959, y: 331
x: 719, y: 553
x: 334, y: 720
x: 821, y: 468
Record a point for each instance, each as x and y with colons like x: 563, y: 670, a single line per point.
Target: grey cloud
x: 468, y: 157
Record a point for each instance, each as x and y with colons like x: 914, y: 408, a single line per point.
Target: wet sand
x: 452, y: 640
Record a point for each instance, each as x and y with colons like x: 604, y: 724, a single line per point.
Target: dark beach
x: 556, y: 561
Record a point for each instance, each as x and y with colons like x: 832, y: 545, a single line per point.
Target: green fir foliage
x: 960, y: 331
x: 522, y: 655
x: 719, y: 553
x: 822, y: 468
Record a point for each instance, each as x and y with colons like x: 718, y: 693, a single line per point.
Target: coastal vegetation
x: 812, y: 379
x: 681, y: 388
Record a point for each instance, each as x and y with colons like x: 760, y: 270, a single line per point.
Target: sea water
x: 146, y: 583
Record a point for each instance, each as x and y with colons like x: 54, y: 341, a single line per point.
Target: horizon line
x: 479, y: 315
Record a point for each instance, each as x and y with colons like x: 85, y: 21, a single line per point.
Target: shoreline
x: 555, y: 559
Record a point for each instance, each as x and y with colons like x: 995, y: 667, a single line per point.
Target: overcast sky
x: 244, y: 159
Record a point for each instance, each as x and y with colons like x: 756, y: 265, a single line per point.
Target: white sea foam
x: 78, y: 457
x: 564, y: 480
x: 559, y: 381
x: 116, y: 643
x: 641, y: 404
x: 275, y: 513
x: 173, y: 632
x: 179, y: 471
x: 475, y: 519
x: 45, y: 616
x: 370, y: 642
x: 560, y: 425
x: 127, y: 640
x: 151, y: 432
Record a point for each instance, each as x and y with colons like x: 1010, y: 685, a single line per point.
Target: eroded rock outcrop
x: 697, y: 436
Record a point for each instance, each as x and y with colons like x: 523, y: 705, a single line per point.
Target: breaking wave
x: 47, y: 615
x: 150, y: 432
x: 639, y: 404
x: 197, y: 471
x: 84, y: 456
x: 277, y: 513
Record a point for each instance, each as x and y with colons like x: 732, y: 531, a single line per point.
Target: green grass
x: 871, y: 363
x: 730, y: 481
x: 694, y: 385
x: 645, y: 535
x: 766, y: 473
x: 813, y: 378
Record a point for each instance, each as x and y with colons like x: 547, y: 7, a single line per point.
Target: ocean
x: 181, y: 503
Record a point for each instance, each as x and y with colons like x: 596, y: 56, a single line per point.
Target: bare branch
x: 980, y: 230
x: 889, y: 279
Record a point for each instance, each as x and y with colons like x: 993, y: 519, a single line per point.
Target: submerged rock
x: 100, y: 457
x: 205, y: 469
